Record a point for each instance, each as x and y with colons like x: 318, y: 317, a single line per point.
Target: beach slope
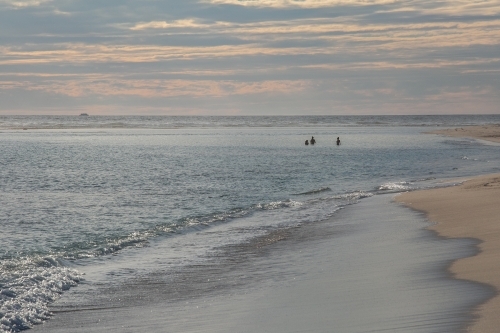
x: 471, y: 210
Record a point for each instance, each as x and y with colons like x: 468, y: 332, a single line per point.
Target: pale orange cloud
x: 404, y: 39
x: 176, y: 24
x: 300, y: 3
x: 108, y: 85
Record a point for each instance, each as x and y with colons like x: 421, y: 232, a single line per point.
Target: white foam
x: 354, y: 196
x: 280, y: 204
x: 28, y: 286
x: 395, y: 187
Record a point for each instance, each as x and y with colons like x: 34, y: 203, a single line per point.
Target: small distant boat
x: 84, y: 114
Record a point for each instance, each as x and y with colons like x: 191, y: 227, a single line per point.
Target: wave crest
x: 319, y: 190
x: 395, y: 187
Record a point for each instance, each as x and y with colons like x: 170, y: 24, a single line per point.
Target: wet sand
x: 471, y: 210
x: 489, y: 132
x: 372, y: 267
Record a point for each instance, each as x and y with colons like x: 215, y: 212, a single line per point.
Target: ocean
x: 90, y: 206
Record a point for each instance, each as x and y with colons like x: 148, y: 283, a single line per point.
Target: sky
x: 249, y: 57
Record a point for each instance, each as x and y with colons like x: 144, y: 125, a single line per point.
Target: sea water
x: 93, y: 202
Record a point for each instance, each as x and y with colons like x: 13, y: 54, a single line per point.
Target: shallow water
x: 370, y: 268
x: 128, y: 198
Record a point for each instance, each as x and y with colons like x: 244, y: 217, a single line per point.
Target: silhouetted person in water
x: 307, y: 142
x: 338, y: 141
x: 313, y: 141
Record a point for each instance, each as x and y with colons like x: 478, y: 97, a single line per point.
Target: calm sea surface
x: 78, y: 192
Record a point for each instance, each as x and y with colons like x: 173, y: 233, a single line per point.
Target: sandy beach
x: 470, y: 210
x: 489, y: 132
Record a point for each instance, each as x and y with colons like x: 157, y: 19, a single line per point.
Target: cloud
x: 116, y: 85
x: 426, y: 7
x: 185, y: 23
x: 84, y: 53
x: 18, y: 4
x: 398, y: 43
x: 463, y: 7
x: 300, y: 3
x: 315, y: 52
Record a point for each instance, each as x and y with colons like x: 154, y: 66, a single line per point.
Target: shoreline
x: 474, y: 200
x: 470, y: 210
x: 370, y: 268
x: 487, y: 132
x: 305, y: 295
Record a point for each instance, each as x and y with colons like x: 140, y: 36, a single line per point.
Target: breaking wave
x: 27, y: 287
x: 395, y: 187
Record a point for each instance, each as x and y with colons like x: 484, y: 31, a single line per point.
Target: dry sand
x: 469, y: 210
x: 489, y: 132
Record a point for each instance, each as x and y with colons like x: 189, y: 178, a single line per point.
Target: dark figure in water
x: 307, y: 142
x: 313, y: 141
x: 338, y: 141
